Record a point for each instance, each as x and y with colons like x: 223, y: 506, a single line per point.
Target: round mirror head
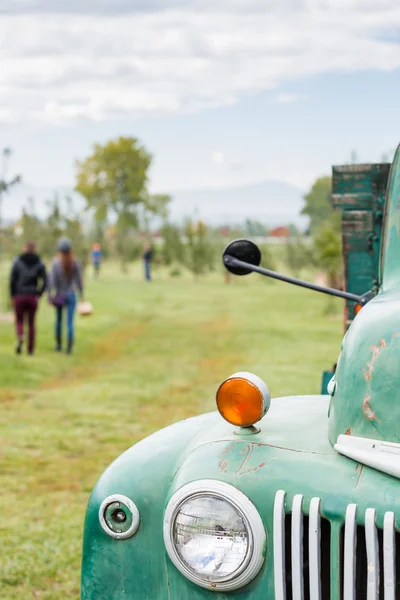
x: 242, y: 250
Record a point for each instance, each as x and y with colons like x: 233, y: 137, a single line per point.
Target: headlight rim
x: 254, y: 525
x: 133, y: 510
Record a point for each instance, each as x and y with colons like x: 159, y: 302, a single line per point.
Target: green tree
x: 318, y: 203
x: 73, y: 230
x: 199, y: 252
x: 155, y: 207
x: 113, y: 180
x: 328, y: 251
x: 31, y: 227
x: 255, y: 228
x: 298, y: 255
x: 53, y: 228
x: 173, y: 249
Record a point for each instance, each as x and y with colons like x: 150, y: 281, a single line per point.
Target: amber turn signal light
x: 357, y: 308
x: 243, y: 399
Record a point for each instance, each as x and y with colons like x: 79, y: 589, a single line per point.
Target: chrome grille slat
x: 314, y: 540
x: 279, y: 546
x: 389, y: 556
x: 350, y: 547
x: 361, y: 573
x: 371, y: 540
x: 297, y: 548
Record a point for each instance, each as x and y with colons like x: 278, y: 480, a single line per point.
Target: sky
x: 221, y: 92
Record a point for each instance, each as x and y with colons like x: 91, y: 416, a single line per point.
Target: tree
x: 298, y: 255
x: 255, y: 228
x: 53, y: 228
x: 318, y: 203
x: 153, y: 210
x: 113, y: 180
x: 328, y: 251
x: 5, y: 185
x: 199, y: 255
x: 173, y: 249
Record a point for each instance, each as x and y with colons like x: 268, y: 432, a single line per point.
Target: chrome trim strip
x: 314, y: 549
x: 350, y: 548
x: 382, y: 456
x: 389, y: 556
x: 279, y: 546
x: 371, y: 540
x: 297, y: 548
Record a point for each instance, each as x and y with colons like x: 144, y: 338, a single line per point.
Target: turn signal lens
x: 357, y: 309
x: 243, y: 399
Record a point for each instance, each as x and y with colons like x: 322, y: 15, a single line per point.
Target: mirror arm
x: 234, y: 262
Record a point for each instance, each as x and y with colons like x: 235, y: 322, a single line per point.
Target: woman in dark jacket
x: 27, y: 283
x: 65, y: 280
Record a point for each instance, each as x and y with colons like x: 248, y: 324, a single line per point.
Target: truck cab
x: 359, y: 193
x: 285, y: 498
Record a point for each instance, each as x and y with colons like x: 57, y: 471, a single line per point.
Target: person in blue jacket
x: 96, y: 259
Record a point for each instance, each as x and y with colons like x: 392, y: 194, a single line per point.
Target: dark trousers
x: 26, y: 307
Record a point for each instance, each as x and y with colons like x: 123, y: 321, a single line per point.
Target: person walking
x: 28, y: 280
x: 96, y: 259
x: 65, y: 281
x: 147, y: 258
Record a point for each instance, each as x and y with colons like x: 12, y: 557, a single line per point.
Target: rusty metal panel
x: 359, y: 191
x: 357, y: 221
x: 352, y: 201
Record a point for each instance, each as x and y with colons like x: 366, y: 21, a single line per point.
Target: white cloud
x: 57, y: 67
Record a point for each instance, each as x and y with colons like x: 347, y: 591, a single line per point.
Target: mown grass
x: 151, y: 354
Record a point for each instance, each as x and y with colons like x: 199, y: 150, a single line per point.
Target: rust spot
x: 222, y: 465
x: 375, y: 353
x: 348, y: 432
x: 359, y: 475
x: 227, y: 450
x: 248, y: 451
x: 368, y: 413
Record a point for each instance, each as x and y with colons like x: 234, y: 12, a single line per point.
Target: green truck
x: 293, y: 498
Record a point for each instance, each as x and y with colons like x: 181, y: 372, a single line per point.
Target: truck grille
x: 315, y: 559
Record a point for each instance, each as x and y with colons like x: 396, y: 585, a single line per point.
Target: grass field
x: 151, y: 354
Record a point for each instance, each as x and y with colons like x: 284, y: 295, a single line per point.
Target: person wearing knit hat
x: 65, y: 281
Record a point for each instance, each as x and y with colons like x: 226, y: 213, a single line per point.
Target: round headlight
x: 214, y: 535
x: 119, y: 517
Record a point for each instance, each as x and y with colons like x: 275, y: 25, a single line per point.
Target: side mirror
x: 245, y: 251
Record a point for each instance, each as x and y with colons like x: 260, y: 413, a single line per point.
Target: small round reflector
x: 357, y: 309
x: 243, y: 399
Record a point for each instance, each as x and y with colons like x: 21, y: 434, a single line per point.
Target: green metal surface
x: 292, y: 452
x: 391, y: 254
x: 366, y: 402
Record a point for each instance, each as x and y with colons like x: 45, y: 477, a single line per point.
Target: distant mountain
x: 271, y: 202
